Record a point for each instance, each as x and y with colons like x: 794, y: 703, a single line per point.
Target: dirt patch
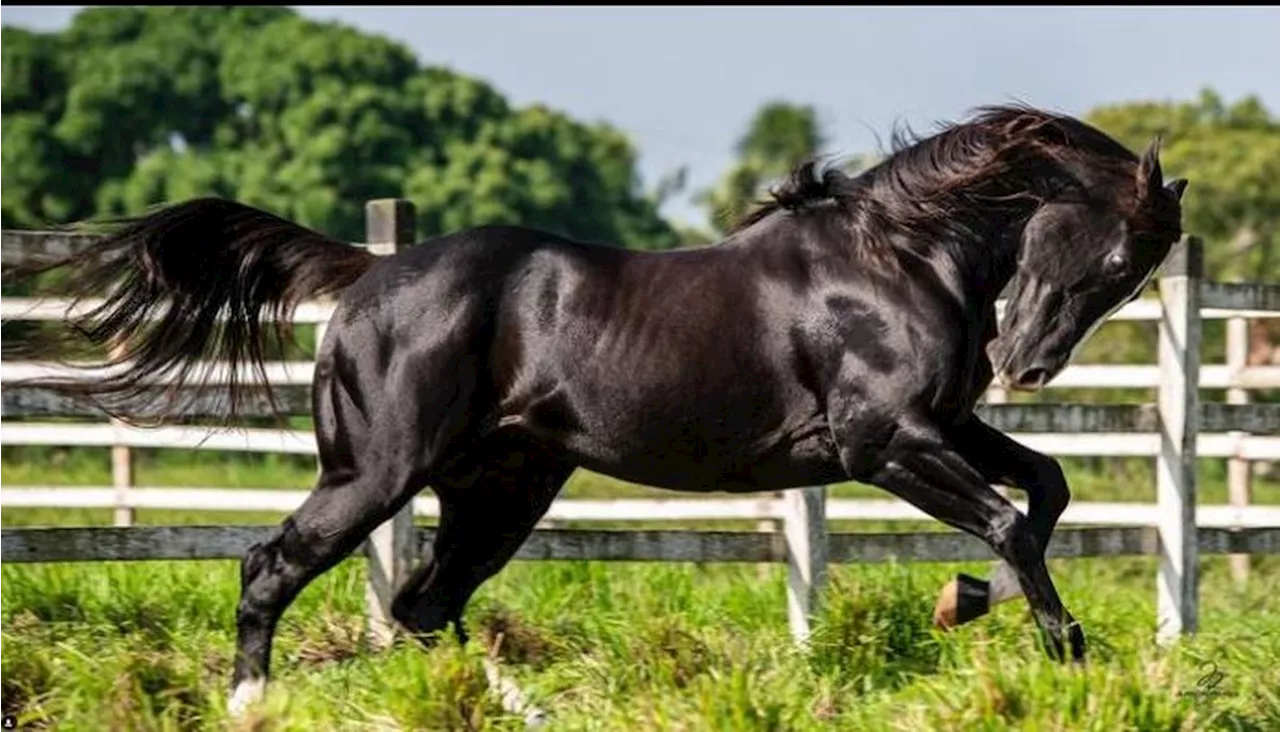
x: 689, y: 655
x: 512, y: 640
x: 156, y: 686
x: 335, y: 639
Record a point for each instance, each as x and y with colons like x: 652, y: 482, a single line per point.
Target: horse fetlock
x: 425, y: 621
x: 1061, y: 635
x: 1075, y: 639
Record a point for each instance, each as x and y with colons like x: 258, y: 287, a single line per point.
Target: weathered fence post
x: 771, y: 525
x: 996, y: 394
x: 805, y: 530
x: 1178, y: 404
x: 1239, y: 470
x: 122, y: 473
x: 122, y: 480
x: 390, y: 548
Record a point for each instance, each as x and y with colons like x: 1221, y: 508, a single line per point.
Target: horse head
x: 1081, y: 257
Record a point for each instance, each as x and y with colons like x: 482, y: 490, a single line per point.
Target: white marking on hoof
x: 247, y: 692
x: 1003, y: 585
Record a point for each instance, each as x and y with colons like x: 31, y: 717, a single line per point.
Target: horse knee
x: 1051, y: 485
x: 271, y: 571
x: 1008, y: 532
x: 253, y: 567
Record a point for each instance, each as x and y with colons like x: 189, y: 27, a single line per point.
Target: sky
x: 684, y: 82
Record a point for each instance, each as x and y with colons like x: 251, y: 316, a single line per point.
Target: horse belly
x: 696, y: 455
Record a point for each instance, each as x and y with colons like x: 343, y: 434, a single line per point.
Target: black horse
x: 843, y: 331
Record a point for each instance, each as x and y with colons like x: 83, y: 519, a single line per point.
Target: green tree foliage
x: 38, y: 177
x: 538, y: 166
x: 130, y: 107
x: 779, y: 137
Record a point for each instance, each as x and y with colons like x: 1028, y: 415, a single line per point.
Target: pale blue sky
x: 684, y: 81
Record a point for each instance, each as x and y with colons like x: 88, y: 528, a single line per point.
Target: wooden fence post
x: 1239, y: 470
x: 122, y: 472
x: 805, y: 530
x: 769, y: 526
x: 122, y: 479
x: 389, y: 224
x: 1178, y: 404
x: 996, y: 394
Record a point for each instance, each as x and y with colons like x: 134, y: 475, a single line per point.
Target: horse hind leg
x: 483, y: 522
x: 334, y: 519
x: 371, y: 468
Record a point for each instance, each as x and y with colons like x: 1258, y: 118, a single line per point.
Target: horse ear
x: 1176, y: 187
x: 1150, y: 178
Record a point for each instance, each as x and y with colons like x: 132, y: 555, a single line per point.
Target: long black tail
x: 217, y: 267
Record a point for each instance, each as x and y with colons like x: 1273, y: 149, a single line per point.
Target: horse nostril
x: 1032, y: 379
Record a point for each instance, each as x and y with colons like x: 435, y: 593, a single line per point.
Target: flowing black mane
x: 1001, y: 154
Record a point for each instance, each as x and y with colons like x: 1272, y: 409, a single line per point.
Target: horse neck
x: 983, y: 252
x: 976, y: 225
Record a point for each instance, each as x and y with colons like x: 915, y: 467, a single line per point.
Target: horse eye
x: 1115, y: 263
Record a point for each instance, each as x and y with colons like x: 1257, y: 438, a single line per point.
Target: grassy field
x: 622, y: 646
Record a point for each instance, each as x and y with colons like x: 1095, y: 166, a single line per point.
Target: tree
x: 38, y: 179
x: 542, y: 168
x: 779, y: 137
x: 134, y: 106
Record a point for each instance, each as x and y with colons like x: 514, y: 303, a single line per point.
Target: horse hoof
x: 962, y: 599
x: 944, y: 612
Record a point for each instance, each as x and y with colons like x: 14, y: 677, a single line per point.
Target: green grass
x: 621, y: 646
x: 629, y: 646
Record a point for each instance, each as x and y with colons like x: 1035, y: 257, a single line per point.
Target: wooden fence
x: 1175, y: 430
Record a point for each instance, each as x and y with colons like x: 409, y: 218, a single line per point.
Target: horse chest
x: 960, y: 388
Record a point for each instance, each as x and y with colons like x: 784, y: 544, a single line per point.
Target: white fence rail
x: 1096, y: 513
x: 1175, y: 431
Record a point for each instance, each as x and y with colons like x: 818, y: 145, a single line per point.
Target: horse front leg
x: 922, y: 465
x: 1002, y: 460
